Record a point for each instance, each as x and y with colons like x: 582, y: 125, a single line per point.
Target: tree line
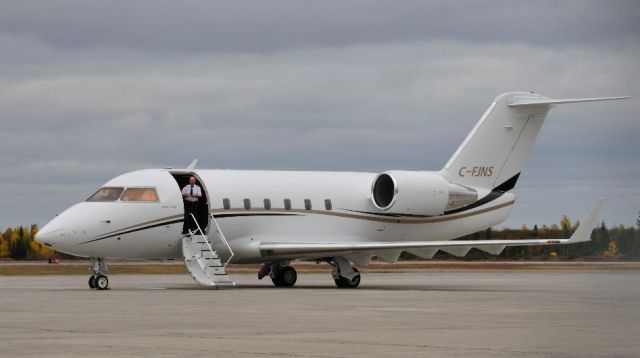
x: 19, y: 244
x: 617, y: 242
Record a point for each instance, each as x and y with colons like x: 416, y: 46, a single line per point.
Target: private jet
x: 343, y: 218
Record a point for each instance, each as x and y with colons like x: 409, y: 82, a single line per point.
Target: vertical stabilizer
x: 499, y: 144
x: 495, y: 151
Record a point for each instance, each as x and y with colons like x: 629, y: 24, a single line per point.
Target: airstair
x: 202, y: 260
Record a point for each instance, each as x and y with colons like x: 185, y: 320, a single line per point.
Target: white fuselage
x: 152, y: 230
x: 273, y: 217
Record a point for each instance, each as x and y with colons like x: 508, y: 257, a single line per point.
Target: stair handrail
x: 223, y: 239
x: 206, y: 240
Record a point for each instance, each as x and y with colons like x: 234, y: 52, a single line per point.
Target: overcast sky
x: 92, y: 89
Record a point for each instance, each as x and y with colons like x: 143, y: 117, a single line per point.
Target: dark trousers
x: 190, y: 208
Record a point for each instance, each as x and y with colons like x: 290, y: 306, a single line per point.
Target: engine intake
x: 419, y: 193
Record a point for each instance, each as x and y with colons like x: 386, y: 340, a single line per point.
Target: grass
x: 177, y: 267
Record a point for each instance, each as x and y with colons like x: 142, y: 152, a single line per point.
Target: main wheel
x: 101, y: 282
x: 286, y: 277
x: 343, y: 282
x: 92, y: 281
x: 289, y: 276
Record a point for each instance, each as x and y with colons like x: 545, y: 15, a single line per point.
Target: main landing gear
x: 344, y: 275
x: 281, y: 275
x: 99, y: 279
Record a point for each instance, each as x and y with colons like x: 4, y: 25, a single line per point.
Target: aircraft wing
x: 393, y: 249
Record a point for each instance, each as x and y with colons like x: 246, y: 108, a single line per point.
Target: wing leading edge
x: 457, y: 247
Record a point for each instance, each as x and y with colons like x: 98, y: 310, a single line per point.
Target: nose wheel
x: 99, y: 282
x: 99, y: 279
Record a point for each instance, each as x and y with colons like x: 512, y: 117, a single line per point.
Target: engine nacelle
x: 419, y: 193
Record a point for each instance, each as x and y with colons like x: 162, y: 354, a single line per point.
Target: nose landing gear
x: 99, y: 279
x: 99, y: 282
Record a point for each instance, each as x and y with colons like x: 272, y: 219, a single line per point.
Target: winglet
x: 520, y: 102
x: 588, y: 223
x: 193, y: 164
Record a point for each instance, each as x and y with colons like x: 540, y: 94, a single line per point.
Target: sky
x: 92, y: 89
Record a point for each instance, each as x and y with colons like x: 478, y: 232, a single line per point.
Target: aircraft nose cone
x: 49, y: 236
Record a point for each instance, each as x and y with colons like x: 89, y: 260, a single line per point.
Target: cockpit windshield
x: 111, y: 194
x: 139, y: 194
x: 106, y: 194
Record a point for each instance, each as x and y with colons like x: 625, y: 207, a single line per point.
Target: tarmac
x: 397, y: 314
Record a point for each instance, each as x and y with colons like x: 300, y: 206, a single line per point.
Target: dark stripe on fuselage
x: 134, y: 230
x: 218, y: 216
x: 222, y: 216
x: 393, y: 215
x: 493, y: 195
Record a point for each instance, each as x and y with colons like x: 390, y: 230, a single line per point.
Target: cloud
x: 250, y: 26
x: 109, y: 88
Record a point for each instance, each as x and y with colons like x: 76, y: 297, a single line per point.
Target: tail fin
x: 496, y: 149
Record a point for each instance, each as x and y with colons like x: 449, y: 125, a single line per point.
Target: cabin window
x: 287, y: 204
x: 267, y: 204
x: 307, y: 204
x: 247, y: 204
x: 106, y: 194
x: 327, y: 204
x: 139, y: 194
x: 226, y: 203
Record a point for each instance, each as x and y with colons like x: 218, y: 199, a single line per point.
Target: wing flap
x: 424, y: 253
x: 459, y: 251
x: 493, y: 250
x: 389, y: 255
x: 360, y: 258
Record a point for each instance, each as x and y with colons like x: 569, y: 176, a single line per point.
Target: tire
x: 101, y: 282
x: 92, y: 281
x: 289, y: 276
x: 343, y: 282
x: 276, y: 280
x: 286, y: 277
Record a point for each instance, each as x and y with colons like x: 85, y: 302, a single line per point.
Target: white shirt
x: 186, y: 192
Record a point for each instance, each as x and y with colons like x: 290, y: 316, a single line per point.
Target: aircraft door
x: 202, y: 206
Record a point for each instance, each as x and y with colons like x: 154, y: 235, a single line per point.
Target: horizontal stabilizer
x: 524, y: 101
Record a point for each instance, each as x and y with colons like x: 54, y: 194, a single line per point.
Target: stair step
x: 216, y: 270
x: 204, y: 264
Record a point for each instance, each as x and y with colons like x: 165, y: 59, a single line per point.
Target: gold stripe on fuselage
x: 390, y: 220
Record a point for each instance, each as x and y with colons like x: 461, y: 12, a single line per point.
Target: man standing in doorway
x: 190, y: 193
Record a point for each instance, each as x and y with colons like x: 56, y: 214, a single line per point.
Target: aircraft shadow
x: 364, y: 288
